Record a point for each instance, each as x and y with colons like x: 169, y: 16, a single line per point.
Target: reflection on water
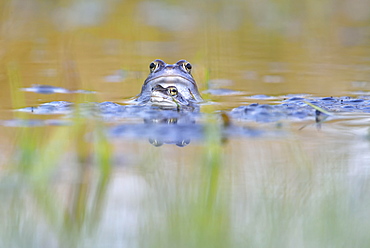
x: 73, y: 177
x: 47, y: 89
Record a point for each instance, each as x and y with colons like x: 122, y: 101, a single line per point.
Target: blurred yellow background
x: 258, y: 47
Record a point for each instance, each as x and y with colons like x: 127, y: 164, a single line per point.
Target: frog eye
x: 187, y: 66
x: 172, y: 91
x: 153, y: 66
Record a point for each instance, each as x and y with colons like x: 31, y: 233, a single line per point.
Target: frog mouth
x: 177, y: 79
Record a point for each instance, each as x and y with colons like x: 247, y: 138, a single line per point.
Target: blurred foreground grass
x: 62, y: 188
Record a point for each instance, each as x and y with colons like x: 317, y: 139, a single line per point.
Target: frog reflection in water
x: 169, y: 86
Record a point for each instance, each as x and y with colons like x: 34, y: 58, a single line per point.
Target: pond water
x: 238, y: 172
